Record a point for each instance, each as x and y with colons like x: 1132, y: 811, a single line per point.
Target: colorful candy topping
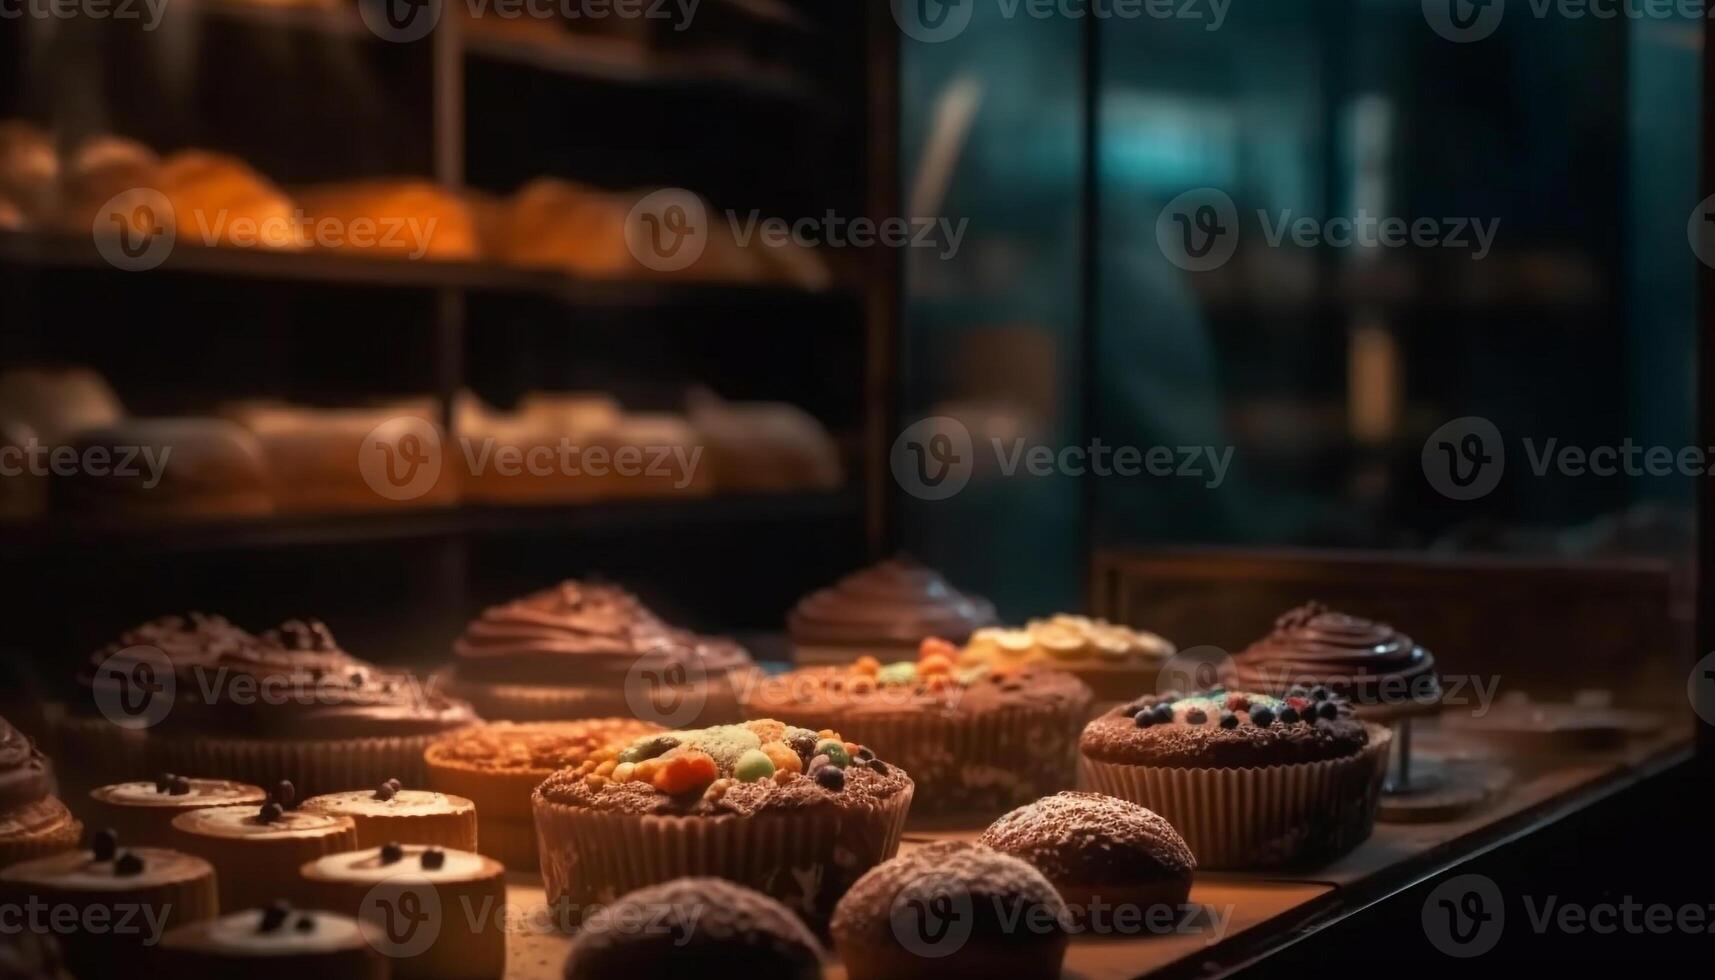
x: 711, y: 760
x: 1230, y: 709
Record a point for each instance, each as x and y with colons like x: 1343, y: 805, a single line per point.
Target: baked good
x: 220, y: 200
x: 390, y: 812
x: 273, y: 943
x: 589, y: 650
x: 57, y: 403
x: 135, y: 892
x: 257, y: 850
x: 651, y: 455
x: 33, y: 821
x: 105, y: 178
x: 1098, y: 851
x: 573, y: 228
x: 382, y: 886
x: 29, y: 955
x: 737, y: 933
x: 316, y: 456
x: 976, y: 741
x: 1249, y: 780
x: 951, y: 909
x: 401, y: 218
x: 793, y: 813
x: 143, y: 811
x: 884, y: 611
x: 1379, y: 669
x: 29, y: 170
x: 168, y: 467
x: 1116, y: 661
x: 497, y: 766
x: 529, y: 455
x: 764, y: 447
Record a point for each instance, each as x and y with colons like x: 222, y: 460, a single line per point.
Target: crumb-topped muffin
x: 1116, y: 661
x: 1381, y: 670
x: 1098, y: 850
x: 794, y: 813
x: 1248, y: 779
x: 33, y: 821
x: 705, y: 927
x: 273, y: 943
x: 976, y: 740
x: 885, y: 610
x: 143, y: 811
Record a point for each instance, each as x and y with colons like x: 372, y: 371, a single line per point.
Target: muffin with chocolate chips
x: 143, y: 811
x: 703, y: 927
x: 393, y: 812
x: 1098, y: 850
x: 794, y: 813
x: 257, y: 850
x: 1248, y: 779
x: 273, y: 943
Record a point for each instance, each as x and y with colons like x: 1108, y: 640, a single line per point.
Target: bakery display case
x: 780, y: 489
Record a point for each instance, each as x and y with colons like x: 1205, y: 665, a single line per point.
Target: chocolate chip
x: 384, y: 792
x: 271, y: 812
x: 180, y: 786
x: 396, y: 784
x: 105, y: 844
x: 274, y: 916
x: 831, y: 777
x: 305, y: 923
x: 128, y: 864
x: 878, y: 765
x: 164, y: 782
x: 864, y: 753
x: 392, y: 852
x: 434, y: 858
x: 285, y: 793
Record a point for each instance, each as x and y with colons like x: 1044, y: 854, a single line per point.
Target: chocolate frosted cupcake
x: 793, y: 813
x: 706, y: 927
x: 273, y: 943
x: 1378, y: 668
x: 582, y: 650
x: 143, y: 812
x: 1249, y: 780
x: 1098, y: 851
x: 33, y: 821
x: 977, y: 741
x: 884, y: 611
x: 1116, y: 661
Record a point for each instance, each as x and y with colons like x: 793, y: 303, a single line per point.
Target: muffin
x: 883, y: 611
x: 1249, y: 780
x: 273, y: 943
x: 588, y: 650
x: 135, y: 892
x: 1379, y: 669
x: 257, y: 850
x: 143, y: 812
x: 708, y: 927
x: 951, y: 909
x: 33, y: 821
x: 498, y: 766
x: 796, y: 814
x: 976, y: 741
x: 1116, y: 661
x: 439, y: 914
x: 390, y: 812
x: 1098, y: 851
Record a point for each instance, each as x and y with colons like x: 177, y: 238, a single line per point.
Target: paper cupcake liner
x: 509, y: 840
x: 314, y: 766
x: 456, y: 831
x: 496, y: 793
x: 541, y: 702
x: 112, y: 952
x: 805, y: 859
x: 1268, y: 816
x: 62, y: 836
x: 254, y: 871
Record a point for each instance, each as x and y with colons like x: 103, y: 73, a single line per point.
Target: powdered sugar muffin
x: 707, y: 927
x: 1098, y: 849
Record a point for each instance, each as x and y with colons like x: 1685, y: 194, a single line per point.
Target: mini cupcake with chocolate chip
x: 390, y: 812
x: 144, y: 811
x: 257, y: 850
x: 278, y: 942
x: 1248, y: 779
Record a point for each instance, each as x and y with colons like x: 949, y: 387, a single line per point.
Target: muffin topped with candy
x: 1383, y: 671
x: 1227, y: 728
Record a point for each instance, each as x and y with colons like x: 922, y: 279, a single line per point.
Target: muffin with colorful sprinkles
x: 1249, y: 780
x: 794, y: 813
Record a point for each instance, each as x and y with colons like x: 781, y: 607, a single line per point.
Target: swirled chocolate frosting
x: 895, y: 602
x: 23, y: 769
x: 1366, y: 661
x: 582, y: 633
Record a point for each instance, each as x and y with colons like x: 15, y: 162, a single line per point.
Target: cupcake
x: 1379, y: 669
x: 1247, y: 779
x: 144, y: 811
x: 33, y: 821
x: 498, y: 766
x: 883, y: 611
x: 258, y: 849
x: 951, y: 909
x: 273, y: 943
x: 438, y: 914
x: 135, y: 892
x: 705, y: 927
x: 390, y: 812
x: 1098, y: 851
x: 1116, y: 661
x: 584, y: 650
x: 975, y: 740
x: 796, y: 814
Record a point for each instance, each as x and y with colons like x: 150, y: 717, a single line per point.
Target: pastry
x: 705, y: 927
x: 221, y: 200
x: 649, y: 455
x: 316, y: 456
x: 277, y: 942
x: 58, y: 403
x: 398, y: 890
x: 391, y: 812
x: 951, y: 909
x: 498, y: 766
x: 29, y: 170
x: 884, y: 611
x: 33, y: 821
x: 976, y: 741
x: 793, y: 813
x: 257, y: 850
x: 395, y: 218
x: 168, y: 467
x: 588, y: 650
x: 143, y: 810
x: 764, y: 447
x: 1378, y: 668
x: 1116, y: 661
x: 579, y: 230
x: 1247, y: 779
x: 110, y: 178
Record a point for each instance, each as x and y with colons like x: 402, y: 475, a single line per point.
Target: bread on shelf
x: 183, y: 467
x: 391, y: 217
x: 315, y: 455
x: 220, y: 200
x: 29, y: 174
x: 112, y: 178
x: 764, y: 447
